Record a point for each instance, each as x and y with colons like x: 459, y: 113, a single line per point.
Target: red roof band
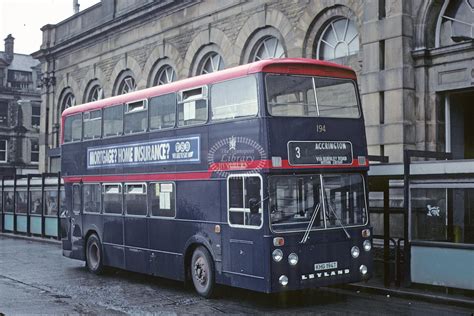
x: 297, y: 66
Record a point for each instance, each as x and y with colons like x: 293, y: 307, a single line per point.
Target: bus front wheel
x: 202, y: 272
x: 94, y: 255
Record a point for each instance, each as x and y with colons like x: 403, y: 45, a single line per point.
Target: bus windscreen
x: 303, y: 96
x: 295, y: 199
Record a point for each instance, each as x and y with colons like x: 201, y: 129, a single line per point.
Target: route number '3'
x: 298, y: 152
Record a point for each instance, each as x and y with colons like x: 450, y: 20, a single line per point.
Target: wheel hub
x: 200, y: 272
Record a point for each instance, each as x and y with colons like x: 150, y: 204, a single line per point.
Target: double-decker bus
x: 253, y: 177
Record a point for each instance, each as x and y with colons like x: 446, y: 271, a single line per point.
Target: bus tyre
x: 94, y: 255
x: 202, y: 272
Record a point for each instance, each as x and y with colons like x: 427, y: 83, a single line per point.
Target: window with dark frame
x: 113, y: 121
x: 35, y: 202
x: 73, y: 128
x: 162, y: 111
x: 3, y: 113
x: 112, y: 198
x: 192, y: 108
x: 35, y: 115
x: 8, y: 201
x: 34, y: 155
x: 162, y: 199
x: 234, y: 99
x: 91, y: 197
x: 51, y: 202
x: 3, y: 150
x: 244, y: 196
x: 21, y: 201
x: 92, y: 121
x: 76, y: 198
x: 135, y: 199
x: 135, y: 117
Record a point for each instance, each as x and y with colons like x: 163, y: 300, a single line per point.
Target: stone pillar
x: 388, y: 78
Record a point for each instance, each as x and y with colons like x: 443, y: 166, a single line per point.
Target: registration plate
x: 325, y: 266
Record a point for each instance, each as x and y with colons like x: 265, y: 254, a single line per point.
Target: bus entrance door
x: 245, y: 242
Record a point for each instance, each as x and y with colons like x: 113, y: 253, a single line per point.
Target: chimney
x: 9, y: 48
x: 75, y: 6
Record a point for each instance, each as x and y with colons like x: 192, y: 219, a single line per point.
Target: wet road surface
x: 36, y: 278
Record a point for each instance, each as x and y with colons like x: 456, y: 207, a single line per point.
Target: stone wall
x: 140, y: 39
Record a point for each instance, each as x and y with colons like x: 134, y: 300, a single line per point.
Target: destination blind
x: 320, y: 153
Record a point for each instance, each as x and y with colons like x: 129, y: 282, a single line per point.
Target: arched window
x: 68, y: 101
x: 93, y: 91
x: 165, y: 75
x: 455, y: 23
x: 212, y: 62
x: 269, y: 47
x: 95, y: 94
x: 339, y: 39
x: 127, y: 85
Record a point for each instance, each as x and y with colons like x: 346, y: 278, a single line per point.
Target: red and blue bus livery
x: 253, y: 177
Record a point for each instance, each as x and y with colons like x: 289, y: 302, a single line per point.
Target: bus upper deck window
x: 336, y: 98
x: 113, y: 120
x: 192, y: 107
x: 234, y: 99
x: 304, y: 96
x: 73, y: 128
x: 92, y: 121
x: 162, y: 111
x: 136, y: 117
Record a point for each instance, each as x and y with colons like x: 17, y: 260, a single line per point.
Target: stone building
x: 20, y: 109
x: 414, y: 58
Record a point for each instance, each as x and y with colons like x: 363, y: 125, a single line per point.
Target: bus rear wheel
x: 202, y: 272
x: 94, y: 255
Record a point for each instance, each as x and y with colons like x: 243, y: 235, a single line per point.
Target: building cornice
x: 137, y: 16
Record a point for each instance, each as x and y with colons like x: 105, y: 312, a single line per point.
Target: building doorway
x: 460, y: 126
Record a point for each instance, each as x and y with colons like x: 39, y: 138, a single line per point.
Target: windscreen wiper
x: 340, y: 222
x: 310, y: 225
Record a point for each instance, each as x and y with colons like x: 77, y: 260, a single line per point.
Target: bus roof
x: 302, y: 66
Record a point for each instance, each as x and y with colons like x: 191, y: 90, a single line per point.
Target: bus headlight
x: 355, y: 252
x: 363, y: 269
x: 367, y: 245
x: 277, y: 255
x: 283, y: 280
x: 293, y: 259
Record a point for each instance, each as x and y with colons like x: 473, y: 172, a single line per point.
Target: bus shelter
x: 31, y: 205
x: 431, y: 203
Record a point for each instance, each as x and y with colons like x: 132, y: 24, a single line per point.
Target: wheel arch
x: 193, y: 243
x: 89, y: 231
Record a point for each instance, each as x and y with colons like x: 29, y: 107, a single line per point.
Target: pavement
x: 36, y: 279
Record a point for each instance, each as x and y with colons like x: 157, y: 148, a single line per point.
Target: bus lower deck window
x: 244, y: 194
x: 91, y: 200
x: 135, y: 199
x: 162, y: 199
x: 112, y: 198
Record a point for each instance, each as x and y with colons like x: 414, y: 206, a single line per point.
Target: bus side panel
x: 197, y: 213
x: 136, y: 241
